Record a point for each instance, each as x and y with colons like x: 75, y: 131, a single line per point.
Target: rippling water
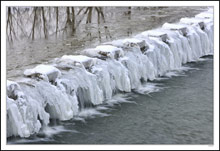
x: 175, y: 109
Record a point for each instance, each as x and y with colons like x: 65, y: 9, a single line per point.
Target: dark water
x: 180, y: 113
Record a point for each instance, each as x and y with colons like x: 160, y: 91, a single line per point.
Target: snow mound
x: 127, y: 43
x: 157, y: 34
x: 181, y: 28
x: 45, y: 72
x: 205, y: 15
x: 76, y: 60
x: 104, y: 52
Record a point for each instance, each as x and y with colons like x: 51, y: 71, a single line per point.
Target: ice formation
x: 75, y: 83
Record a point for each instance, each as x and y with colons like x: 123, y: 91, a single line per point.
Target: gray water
x: 181, y: 112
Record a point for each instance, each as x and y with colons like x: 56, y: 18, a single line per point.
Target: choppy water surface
x: 119, y: 22
x: 175, y: 109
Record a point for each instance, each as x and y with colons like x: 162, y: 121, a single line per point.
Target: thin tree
x: 57, y: 19
x: 34, y: 22
x: 44, y: 23
x: 73, y: 21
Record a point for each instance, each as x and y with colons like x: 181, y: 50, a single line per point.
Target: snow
x: 107, y: 48
x: 74, y: 59
x: 156, y: 33
x: 204, y: 15
x: 181, y: 28
x: 104, y: 51
x: 191, y: 21
x: 172, y: 26
x: 78, y: 58
x: 46, y: 72
x: 132, y: 40
x: 127, y: 43
x: 202, y: 22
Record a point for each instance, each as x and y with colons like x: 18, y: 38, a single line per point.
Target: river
x: 176, y: 108
x: 179, y: 110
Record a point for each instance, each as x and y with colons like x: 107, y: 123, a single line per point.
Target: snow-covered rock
x: 207, y: 15
x: 24, y: 116
x: 76, y: 60
x: 45, y: 72
x: 178, y: 27
x: 127, y: 43
x: 193, y: 21
x: 104, y: 52
x: 157, y: 34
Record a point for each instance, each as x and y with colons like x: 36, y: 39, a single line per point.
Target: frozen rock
x: 104, y: 51
x: 74, y: 60
x: 157, y: 34
x: 25, y: 116
x: 130, y: 42
x: 192, y: 21
x: 13, y: 90
x: 141, y: 43
x: 207, y: 15
x: 178, y: 27
x: 45, y: 72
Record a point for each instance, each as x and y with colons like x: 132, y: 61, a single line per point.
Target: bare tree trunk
x: 89, y: 17
x: 35, y: 17
x: 80, y: 11
x: 68, y: 15
x: 102, y: 14
x: 49, y: 13
x: 44, y: 22
x: 98, y: 15
x: 73, y: 21
x: 129, y: 13
x: 8, y: 22
x: 82, y: 17
x: 57, y: 18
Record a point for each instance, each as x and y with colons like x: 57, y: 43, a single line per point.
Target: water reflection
x: 41, y: 22
x: 38, y: 34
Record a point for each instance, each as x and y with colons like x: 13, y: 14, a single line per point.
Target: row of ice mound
x: 74, y: 82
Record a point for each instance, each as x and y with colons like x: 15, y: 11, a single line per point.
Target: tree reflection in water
x: 42, y: 22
